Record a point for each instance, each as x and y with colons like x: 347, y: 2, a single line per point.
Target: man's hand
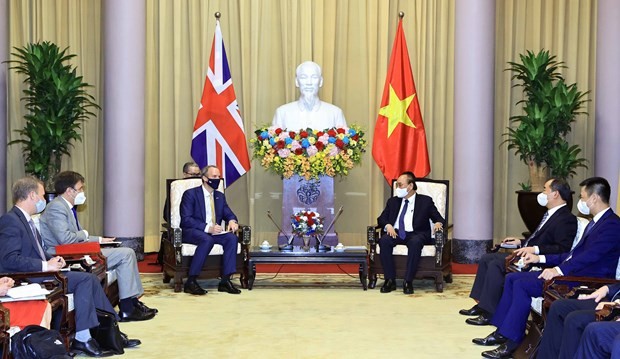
x: 391, y: 231
x: 512, y: 240
x: 4, y: 287
x: 597, y: 295
x: 215, y: 229
x: 438, y: 226
x: 55, y: 264
x: 233, y: 226
x: 525, y: 250
x: 530, y: 258
x: 108, y: 239
x: 7, y: 280
x: 548, y: 273
x: 602, y: 304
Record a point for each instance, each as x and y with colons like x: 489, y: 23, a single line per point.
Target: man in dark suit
x: 570, y: 327
x: 21, y: 251
x: 202, y: 211
x: 405, y: 220
x: 555, y: 234
x: 596, y: 255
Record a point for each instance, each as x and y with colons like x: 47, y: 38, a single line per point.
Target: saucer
x: 265, y: 248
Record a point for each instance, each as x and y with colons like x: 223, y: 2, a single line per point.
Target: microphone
x: 331, y: 225
x: 289, y: 240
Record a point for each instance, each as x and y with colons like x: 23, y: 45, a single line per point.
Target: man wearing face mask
x: 60, y: 225
x: 405, y: 220
x: 596, y: 255
x: 202, y: 211
x: 554, y: 234
x: 309, y: 111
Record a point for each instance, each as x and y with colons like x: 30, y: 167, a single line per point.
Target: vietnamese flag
x: 399, y: 143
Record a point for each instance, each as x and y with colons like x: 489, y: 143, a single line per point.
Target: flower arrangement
x: 307, y: 223
x: 309, y: 153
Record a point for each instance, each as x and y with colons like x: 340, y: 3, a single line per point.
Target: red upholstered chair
x: 178, y: 255
x: 436, y: 261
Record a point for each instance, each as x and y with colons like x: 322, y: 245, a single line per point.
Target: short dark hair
x: 23, y: 186
x: 597, y: 185
x: 410, y: 178
x: 65, y: 180
x: 206, y: 169
x: 561, y: 186
x: 189, y: 164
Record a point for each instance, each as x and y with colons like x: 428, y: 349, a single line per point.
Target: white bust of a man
x: 309, y: 111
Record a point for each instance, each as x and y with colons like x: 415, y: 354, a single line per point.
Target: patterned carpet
x: 307, y: 316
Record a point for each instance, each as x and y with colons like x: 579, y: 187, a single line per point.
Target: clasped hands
x: 55, y: 264
x: 392, y: 232
x: 232, y: 227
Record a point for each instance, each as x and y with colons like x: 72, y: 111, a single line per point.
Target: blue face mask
x: 213, y: 182
x: 40, y: 205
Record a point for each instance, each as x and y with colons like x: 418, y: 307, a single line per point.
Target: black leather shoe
x: 408, y: 288
x: 500, y: 352
x: 192, y: 287
x: 473, y: 311
x: 90, y: 348
x: 479, y: 320
x: 492, y: 339
x: 135, y: 315
x: 228, y: 287
x: 388, y: 286
x: 129, y: 343
x: 146, y: 309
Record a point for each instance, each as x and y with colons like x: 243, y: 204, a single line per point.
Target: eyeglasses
x: 193, y: 174
x: 78, y: 190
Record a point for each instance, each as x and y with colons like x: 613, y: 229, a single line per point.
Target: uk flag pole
x: 219, y: 136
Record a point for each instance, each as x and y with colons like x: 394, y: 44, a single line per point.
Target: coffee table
x: 298, y: 256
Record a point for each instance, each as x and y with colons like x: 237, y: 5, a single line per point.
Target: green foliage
x: 549, y: 109
x: 57, y: 104
x: 525, y: 186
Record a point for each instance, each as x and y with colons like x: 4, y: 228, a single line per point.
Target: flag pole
x: 217, y: 15
x: 401, y: 14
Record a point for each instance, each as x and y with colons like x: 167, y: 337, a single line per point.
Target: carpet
x: 307, y: 316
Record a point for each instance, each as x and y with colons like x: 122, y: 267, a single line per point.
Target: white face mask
x: 401, y: 192
x: 40, y: 205
x: 79, y: 199
x: 582, y: 206
x: 542, y: 199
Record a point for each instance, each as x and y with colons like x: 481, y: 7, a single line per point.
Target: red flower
x: 332, y: 133
x: 319, y: 134
x: 303, y: 134
x: 339, y: 144
x: 291, y: 134
x: 280, y: 144
x: 356, y: 137
x: 319, y: 146
x: 340, y: 130
x: 299, y: 151
x: 310, y: 221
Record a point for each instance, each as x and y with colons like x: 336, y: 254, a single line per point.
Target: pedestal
x: 315, y: 195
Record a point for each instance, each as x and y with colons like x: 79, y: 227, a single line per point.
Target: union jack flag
x: 219, y: 137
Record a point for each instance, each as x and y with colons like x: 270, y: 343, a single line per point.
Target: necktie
x: 401, y: 221
x: 77, y: 223
x: 585, y: 233
x: 542, y: 222
x: 37, y: 239
x: 588, y: 228
x: 212, y: 202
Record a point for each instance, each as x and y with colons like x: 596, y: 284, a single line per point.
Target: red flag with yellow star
x: 399, y: 142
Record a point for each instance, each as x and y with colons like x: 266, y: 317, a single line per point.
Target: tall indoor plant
x: 57, y: 103
x: 538, y: 136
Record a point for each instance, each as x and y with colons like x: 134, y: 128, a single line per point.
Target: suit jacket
x: 18, y: 248
x: 194, y: 215
x: 557, y: 234
x: 58, y: 226
x: 596, y: 255
x: 424, y: 209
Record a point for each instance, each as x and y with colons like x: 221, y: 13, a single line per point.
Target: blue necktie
x: 542, y: 222
x: 585, y: 233
x: 401, y: 221
x: 588, y: 228
x: 76, y: 219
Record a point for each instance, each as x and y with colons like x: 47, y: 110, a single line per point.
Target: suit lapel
x: 594, y: 228
x: 554, y: 217
x: 201, y: 202
x: 68, y: 212
x: 22, y: 218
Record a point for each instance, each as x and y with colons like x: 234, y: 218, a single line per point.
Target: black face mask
x: 212, y: 182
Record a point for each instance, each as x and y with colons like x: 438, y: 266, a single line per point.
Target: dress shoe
x: 146, y: 309
x: 479, y: 320
x: 227, y: 286
x: 388, y: 286
x: 475, y: 310
x: 129, y: 343
x: 408, y: 288
x: 135, y: 315
x: 192, y: 287
x: 492, y: 339
x: 503, y: 351
x: 90, y: 348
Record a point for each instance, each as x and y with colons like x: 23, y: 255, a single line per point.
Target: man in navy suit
x: 405, y: 220
x: 570, y: 327
x: 596, y: 255
x: 202, y: 211
x: 21, y: 251
x: 555, y: 234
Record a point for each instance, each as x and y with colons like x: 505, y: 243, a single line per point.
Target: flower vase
x: 306, y: 240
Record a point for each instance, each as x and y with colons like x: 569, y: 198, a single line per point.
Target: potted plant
x: 538, y: 135
x: 57, y: 104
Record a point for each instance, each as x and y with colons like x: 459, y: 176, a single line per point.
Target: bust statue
x: 309, y: 111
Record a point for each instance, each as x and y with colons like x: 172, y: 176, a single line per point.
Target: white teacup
x: 265, y: 244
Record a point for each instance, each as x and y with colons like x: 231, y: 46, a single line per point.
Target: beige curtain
x: 68, y: 23
x: 568, y: 30
x: 265, y: 41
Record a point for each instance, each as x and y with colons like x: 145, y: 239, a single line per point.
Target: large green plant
x: 57, y: 104
x: 538, y: 136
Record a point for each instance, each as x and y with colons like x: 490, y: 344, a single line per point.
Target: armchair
x: 4, y: 335
x: 436, y: 258
x: 178, y: 255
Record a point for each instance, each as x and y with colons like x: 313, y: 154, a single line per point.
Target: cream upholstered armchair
x: 436, y: 258
x: 178, y: 255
